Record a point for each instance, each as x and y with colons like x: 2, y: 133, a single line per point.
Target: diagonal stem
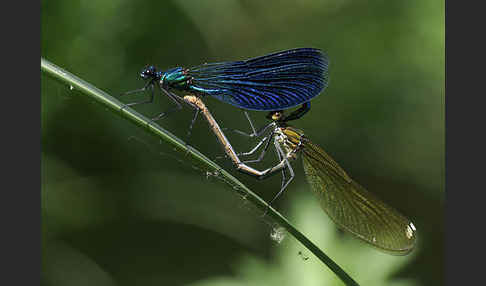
x: 130, y: 114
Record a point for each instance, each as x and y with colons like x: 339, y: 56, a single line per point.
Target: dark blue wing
x: 273, y: 82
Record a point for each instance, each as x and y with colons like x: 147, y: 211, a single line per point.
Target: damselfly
x: 272, y: 82
x: 348, y: 204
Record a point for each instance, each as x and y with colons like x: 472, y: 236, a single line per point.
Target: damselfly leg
x: 175, y: 98
x: 282, y: 158
x: 189, y: 132
x: 151, y: 85
x: 150, y: 100
x: 265, y: 140
x: 254, y: 133
x: 289, y: 167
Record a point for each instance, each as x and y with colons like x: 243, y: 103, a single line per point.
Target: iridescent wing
x: 273, y: 82
x: 353, y: 208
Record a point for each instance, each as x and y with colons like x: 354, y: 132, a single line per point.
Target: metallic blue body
x: 268, y: 83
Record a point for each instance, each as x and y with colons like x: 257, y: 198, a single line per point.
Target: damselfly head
x: 275, y: 115
x: 149, y: 72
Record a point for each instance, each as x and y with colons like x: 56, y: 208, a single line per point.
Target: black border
x: 464, y: 122
x: 21, y: 153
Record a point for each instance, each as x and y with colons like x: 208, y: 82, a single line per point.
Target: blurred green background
x: 119, y: 207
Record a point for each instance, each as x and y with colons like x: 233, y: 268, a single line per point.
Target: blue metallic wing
x: 272, y: 82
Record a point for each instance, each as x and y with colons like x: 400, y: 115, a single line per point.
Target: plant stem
x: 130, y: 114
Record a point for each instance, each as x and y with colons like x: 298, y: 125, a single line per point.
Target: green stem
x: 130, y: 114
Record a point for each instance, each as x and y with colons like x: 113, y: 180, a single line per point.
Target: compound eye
x: 148, y: 72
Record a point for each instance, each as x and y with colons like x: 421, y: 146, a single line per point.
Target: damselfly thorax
x: 291, y: 141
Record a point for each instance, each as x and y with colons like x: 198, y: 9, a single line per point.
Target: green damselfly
x: 347, y: 203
